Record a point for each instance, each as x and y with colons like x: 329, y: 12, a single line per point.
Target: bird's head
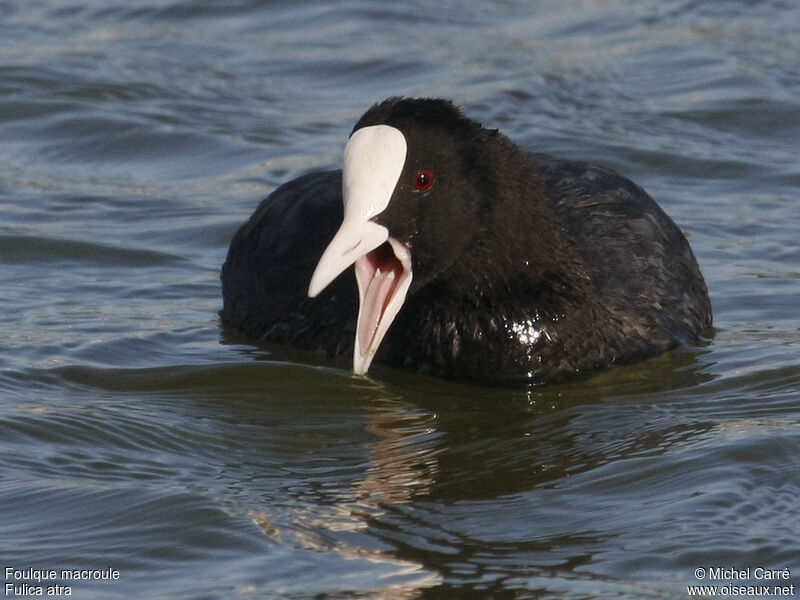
x: 414, y: 184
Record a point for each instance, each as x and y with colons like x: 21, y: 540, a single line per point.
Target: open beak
x: 373, y: 160
x: 383, y: 274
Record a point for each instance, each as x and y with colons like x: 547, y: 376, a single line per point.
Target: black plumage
x: 526, y: 268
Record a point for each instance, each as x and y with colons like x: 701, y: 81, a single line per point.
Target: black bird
x: 474, y: 259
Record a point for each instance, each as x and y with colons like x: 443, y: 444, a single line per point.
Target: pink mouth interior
x: 381, y: 271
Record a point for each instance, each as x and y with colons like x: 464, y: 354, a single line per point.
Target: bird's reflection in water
x: 399, y: 463
x: 407, y: 472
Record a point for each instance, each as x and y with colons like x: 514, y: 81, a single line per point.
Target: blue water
x: 137, y: 435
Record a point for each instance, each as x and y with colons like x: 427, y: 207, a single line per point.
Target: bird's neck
x: 522, y: 248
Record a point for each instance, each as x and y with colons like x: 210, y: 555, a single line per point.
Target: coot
x: 473, y: 258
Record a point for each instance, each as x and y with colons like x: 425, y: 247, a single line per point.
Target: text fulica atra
x: 474, y: 259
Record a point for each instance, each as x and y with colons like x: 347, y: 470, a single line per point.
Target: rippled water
x: 137, y: 435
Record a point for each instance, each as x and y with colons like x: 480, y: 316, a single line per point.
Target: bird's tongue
x: 383, y: 275
x: 380, y: 274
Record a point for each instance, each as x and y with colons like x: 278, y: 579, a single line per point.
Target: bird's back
x: 269, y: 264
x: 640, y: 262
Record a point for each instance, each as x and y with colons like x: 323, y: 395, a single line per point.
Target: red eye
x: 423, y: 180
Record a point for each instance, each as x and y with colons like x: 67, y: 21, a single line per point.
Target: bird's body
x: 526, y: 268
